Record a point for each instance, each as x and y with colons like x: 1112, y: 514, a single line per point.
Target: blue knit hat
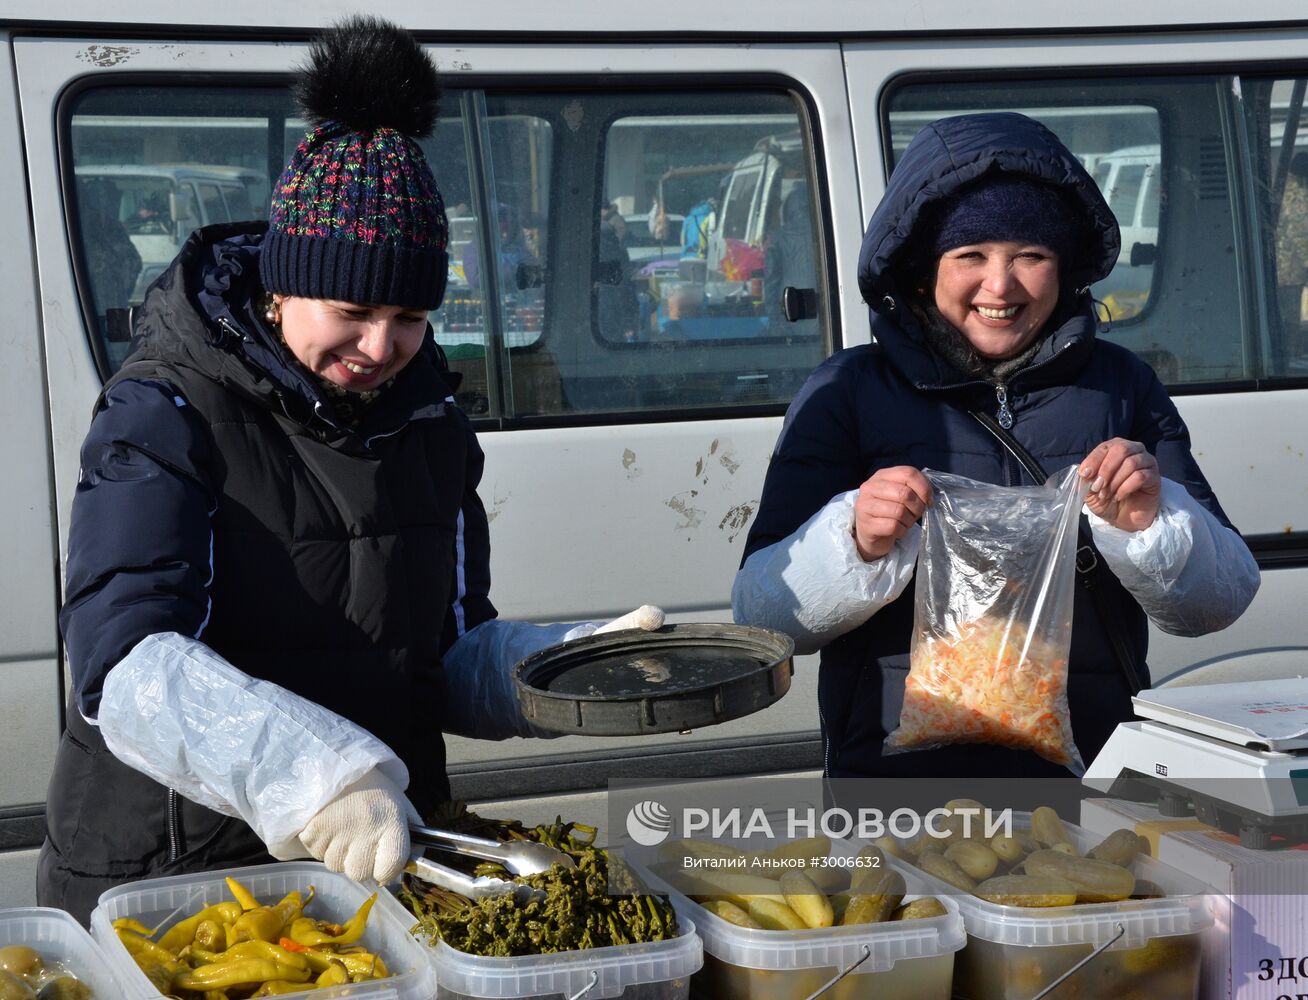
x: 357, y: 216
x: 1004, y: 207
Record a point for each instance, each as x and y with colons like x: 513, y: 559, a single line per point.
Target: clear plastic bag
x: 993, y: 618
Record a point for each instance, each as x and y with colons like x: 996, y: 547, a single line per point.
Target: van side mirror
x: 799, y: 303
x: 1143, y: 254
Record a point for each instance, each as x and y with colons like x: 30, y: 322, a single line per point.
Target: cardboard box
x: 1260, y: 910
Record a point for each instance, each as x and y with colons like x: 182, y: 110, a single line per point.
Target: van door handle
x: 799, y: 303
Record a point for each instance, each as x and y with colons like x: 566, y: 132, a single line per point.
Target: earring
x: 273, y: 314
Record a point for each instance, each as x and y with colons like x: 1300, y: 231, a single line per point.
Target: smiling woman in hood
x: 977, y: 265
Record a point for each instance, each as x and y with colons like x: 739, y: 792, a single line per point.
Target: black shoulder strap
x: 1089, y: 567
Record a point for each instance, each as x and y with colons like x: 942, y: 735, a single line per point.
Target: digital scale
x: 1237, y: 754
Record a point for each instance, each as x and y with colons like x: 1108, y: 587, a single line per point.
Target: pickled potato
x: 14, y: 987
x: 24, y: 975
x: 20, y: 960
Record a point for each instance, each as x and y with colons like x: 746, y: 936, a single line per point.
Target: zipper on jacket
x: 230, y: 329
x: 1005, y: 415
x: 176, y: 846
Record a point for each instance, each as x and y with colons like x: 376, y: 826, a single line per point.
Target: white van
x: 627, y: 422
x: 159, y: 205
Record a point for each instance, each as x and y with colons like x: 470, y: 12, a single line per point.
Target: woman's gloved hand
x: 647, y: 617
x: 364, y: 831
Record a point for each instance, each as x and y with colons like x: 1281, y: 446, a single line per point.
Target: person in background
x: 616, y: 305
x: 790, y: 259
x: 277, y: 590
x: 977, y: 265
x: 113, y: 262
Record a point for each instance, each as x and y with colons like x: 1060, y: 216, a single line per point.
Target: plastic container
x: 653, y: 970
x: 62, y: 941
x: 337, y: 897
x: 1013, y: 952
x: 909, y: 960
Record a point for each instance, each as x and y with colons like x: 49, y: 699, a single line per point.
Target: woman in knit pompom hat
x: 277, y: 551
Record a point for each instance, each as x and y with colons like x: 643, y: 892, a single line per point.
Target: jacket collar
x: 204, y: 313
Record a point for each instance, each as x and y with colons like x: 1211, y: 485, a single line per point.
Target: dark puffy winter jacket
x: 898, y: 403
x: 220, y: 499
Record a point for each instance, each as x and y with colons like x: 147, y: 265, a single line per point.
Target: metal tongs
x: 521, y: 857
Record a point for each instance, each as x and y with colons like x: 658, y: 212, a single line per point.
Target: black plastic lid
x: 635, y: 682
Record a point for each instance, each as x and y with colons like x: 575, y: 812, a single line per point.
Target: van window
x: 212, y: 199
x: 1123, y: 192
x: 707, y: 216
x: 650, y: 282
x: 1210, y: 188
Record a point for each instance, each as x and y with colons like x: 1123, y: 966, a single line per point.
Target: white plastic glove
x: 364, y: 831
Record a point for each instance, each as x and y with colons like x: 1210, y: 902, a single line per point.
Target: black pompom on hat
x: 356, y: 215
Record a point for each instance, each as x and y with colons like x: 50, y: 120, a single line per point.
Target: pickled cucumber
x: 676, y: 850
x: 829, y: 878
x: 731, y: 913
x: 1047, y: 828
x: 738, y: 887
x: 807, y: 900
x: 889, y: 845
x: 920, y: 909
x: 946, y: 870
x: 871, y: 863
x: 774, y: 916
x: 1120, y: 848
x: 1096, y: 881
x: 810, y: 850
x: 877, y: 900
x: 1007, y: 849
x: 1028, y: 890
x: 977, y: 860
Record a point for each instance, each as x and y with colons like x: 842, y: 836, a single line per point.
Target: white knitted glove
x: 364, y: 831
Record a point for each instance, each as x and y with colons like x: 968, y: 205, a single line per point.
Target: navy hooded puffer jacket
x: 898, y: 403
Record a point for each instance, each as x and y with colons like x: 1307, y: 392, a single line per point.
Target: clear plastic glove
x: 364, y: 831
x: 483, y: 702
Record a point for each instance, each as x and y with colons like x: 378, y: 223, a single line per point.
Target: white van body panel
x: 29, y: 658
x: 845, y: 18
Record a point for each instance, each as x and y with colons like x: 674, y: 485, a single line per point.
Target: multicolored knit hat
x: 356, y: 216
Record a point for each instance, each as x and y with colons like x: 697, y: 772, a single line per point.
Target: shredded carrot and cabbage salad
x: 988, y: 683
